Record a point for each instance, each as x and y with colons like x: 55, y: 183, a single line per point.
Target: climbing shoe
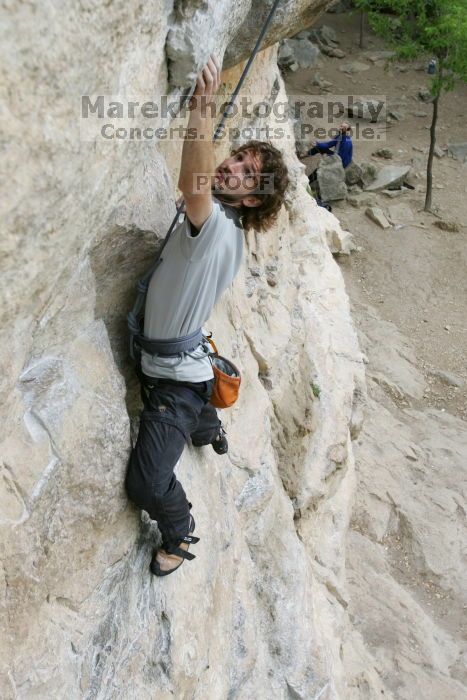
x: 171, y: 553
x: 220, y: 444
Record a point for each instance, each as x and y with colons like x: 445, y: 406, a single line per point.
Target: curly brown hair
x: 263, y: 216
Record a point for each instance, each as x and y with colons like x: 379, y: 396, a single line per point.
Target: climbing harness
x: 135, y: 318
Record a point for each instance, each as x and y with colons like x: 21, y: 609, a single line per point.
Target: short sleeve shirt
x: 194, y: 272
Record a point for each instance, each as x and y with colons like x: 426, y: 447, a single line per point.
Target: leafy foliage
x: 435, y: 28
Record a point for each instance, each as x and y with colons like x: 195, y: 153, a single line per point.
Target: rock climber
x: 199, y: 262
x: 342, y: 145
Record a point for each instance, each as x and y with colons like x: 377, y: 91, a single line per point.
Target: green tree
x: 433, y: 28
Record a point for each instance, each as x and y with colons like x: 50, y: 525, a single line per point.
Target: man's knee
x: 135, y: 485
x: 142, y: 488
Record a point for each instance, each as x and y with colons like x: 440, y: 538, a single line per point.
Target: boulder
x: 299, y: 51
x: 395, y: 115
x: 377, y: 215
x: 425, y: 95
x: 458, y: 151
x: 328, y: 34
x: 389, y: 177
x: 354, y: 67
x: 362, y: 200
x: 305, y: 34
x: 369, y: 173
x: 353, y: 174
x: 285, y: 55
x: 333, y: 52
x: 331, y: 179
x: 321, y: 82
x: 447, y: 225
x: 339, y: 241
x: 383, y: 153
x: 412, y: 179
x: 324, y: 36
x: 375, y: 56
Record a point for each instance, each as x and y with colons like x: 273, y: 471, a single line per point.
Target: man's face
x: 345, y: 126
x: 238, y: 176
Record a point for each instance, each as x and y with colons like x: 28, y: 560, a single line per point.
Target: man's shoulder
x: 227, y: 214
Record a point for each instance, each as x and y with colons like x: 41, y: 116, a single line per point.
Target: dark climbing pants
x: 173, y: 412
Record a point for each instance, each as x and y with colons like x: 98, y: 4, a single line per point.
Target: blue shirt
x: 344, y: 149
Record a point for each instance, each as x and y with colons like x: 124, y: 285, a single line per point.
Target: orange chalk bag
x: 227, y: 379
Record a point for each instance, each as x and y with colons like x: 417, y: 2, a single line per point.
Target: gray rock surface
x: 324, y: 36
x: 361, y: 200
x: 354, y: 67
x: 395, y: 115
x: 81, y: 616
x: 448, y: 378
x: 290, y: 18
x: 458, y: 151
x: 353, y: 174
x: 321, y: 82
x: 375, y: 56
x: 313, y: 579
x: 335, y: 53
x: 229, y: 29
x: 390, y: 177
x: 383, y: 153
x: 369, y: 173
x: 377, y: 215
x: 425, y: 95
x: 331, y: 178
x: 444, y: 225
x: 406, y: 553
x: 328, y: 34
x: 298, y: 51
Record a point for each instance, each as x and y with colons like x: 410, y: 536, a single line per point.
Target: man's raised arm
x: 198, y: 152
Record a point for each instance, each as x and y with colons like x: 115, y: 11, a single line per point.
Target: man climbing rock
x: 199, y: 262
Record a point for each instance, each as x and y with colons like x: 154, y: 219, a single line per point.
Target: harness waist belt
x: 171, y: 347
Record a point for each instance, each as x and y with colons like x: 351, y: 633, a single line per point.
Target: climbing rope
x: 143, y: 284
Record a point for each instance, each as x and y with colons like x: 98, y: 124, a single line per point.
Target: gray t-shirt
x: 194, y: 272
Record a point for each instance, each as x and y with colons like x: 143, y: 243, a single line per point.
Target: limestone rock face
x: 406, y: 543
x: 230, y: 29
x: 258, y: 612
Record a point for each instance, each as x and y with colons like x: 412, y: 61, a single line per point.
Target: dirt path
x: 415, y: 275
